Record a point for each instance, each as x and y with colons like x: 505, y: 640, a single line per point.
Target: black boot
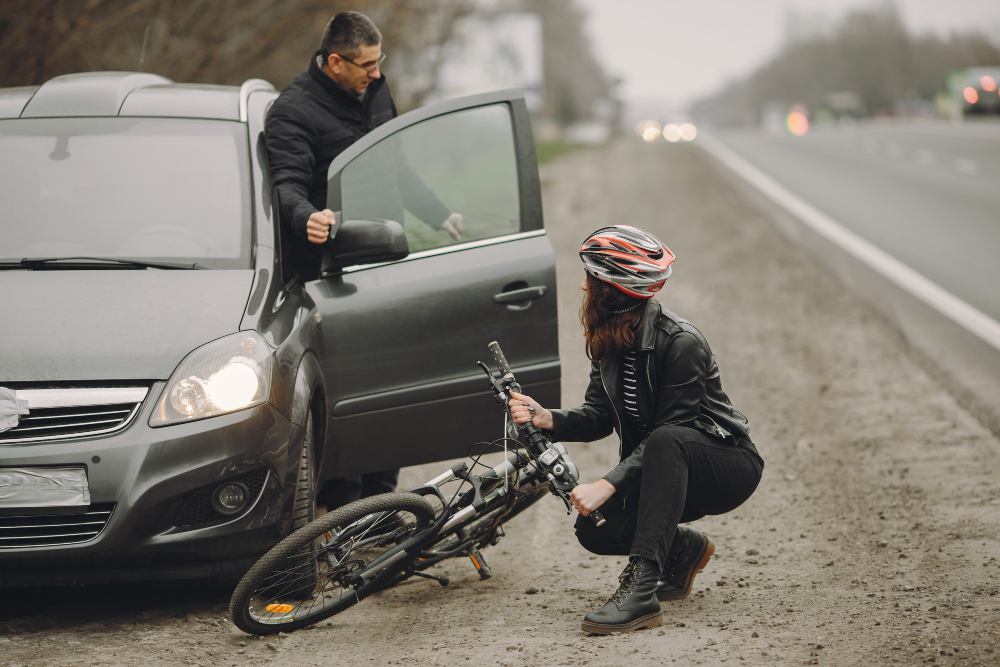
x: 633, y: 606
x: 689, y: 554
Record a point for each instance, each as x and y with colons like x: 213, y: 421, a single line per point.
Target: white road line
x: 977, y: 322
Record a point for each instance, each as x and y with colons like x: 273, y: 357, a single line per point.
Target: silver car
x: 178, y: 393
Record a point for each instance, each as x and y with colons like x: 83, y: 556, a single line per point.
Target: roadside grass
x: 546, y: 151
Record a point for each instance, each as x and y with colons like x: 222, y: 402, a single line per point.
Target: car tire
x: 304, y: 504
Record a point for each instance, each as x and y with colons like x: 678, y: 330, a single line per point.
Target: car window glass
x: 463, y: 162
x: 136, y: 188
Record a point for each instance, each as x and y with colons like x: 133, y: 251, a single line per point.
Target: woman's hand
x: 588, y: 497
x: 524, y: 409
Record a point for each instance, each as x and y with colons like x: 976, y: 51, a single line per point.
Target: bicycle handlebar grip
x: 597, y: 518
x: 499, y: 358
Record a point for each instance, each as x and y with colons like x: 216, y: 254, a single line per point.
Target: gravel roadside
x: 873, y: 538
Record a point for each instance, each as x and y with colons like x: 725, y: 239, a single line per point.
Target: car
x: 186, y: 393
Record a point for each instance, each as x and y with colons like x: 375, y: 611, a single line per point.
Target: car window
x: 463, y: 162
x: 136, y: 188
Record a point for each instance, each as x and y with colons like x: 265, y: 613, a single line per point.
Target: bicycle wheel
x: 311, y: 574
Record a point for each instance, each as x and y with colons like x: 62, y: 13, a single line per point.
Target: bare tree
x: 868, y: 54
x: 213, y: 41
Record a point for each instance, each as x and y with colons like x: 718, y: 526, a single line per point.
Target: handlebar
x: 540, y: 444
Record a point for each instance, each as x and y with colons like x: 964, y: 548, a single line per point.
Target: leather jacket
x: 678, y: 383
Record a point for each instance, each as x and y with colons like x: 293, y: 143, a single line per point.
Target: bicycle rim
x: 311, y: 574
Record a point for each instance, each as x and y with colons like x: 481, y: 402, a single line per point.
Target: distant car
x: 186, y: 394
x: 976, y: 90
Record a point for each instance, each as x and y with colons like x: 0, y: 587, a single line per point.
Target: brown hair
x: 610, y: 319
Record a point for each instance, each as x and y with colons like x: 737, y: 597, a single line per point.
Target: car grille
x: 41, y: 530
x: 72, y: 412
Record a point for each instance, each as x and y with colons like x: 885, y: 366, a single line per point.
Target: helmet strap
x: 627, y: 309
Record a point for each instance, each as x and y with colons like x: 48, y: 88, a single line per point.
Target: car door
x: 400, y: 339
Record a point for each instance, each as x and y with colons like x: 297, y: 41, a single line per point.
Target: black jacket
x: 679, y: 384
x: 310, y: 124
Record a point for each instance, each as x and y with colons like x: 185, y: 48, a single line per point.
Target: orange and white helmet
x: 634, y: 261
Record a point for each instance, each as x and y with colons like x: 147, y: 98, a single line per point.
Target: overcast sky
x: 669, y: 52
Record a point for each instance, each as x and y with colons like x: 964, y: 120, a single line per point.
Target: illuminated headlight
x: 226, y: 375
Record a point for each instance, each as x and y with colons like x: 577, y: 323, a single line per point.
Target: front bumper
x: 155, y: 482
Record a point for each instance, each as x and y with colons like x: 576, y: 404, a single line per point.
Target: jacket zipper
x: 621, y: 431
x: 649, y: 383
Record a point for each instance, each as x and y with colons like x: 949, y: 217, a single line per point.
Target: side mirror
x: 364, y: 242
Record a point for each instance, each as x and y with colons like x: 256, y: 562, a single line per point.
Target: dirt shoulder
x: 873, y: 538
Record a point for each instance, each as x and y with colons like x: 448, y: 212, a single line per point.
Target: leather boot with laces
x: 689, y: 554
x: 633, y: 606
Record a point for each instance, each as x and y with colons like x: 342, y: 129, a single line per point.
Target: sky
x: 670, y: 52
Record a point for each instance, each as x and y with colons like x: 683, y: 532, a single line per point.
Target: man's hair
x: 347, y: 32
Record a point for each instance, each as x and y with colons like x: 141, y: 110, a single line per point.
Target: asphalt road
x: 927, y: 193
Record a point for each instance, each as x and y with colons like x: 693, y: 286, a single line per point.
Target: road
x: 874, y: 537
x: 927, y: 193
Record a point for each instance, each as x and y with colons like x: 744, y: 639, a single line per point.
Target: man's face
x: 356, y: 72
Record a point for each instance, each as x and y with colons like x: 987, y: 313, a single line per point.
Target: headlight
x: 226, y: 375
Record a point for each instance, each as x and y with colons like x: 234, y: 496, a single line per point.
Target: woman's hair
x: 610, y: 319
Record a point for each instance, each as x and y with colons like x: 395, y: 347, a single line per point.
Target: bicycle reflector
x: 279, y: 608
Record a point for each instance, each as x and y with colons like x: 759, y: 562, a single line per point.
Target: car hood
x: 112, y: 324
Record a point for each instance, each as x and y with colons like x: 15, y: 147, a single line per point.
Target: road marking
x: 972, y: 319
x: 966, y: 166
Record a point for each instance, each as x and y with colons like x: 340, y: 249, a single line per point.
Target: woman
x: 685, y: 450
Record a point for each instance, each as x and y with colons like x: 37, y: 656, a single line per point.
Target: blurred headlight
x: 688, y: 132
x: 226, y: 375
x: 797, y: 121
x: 672, y: 132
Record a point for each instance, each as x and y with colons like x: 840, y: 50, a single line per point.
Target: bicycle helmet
x: 634, y: 261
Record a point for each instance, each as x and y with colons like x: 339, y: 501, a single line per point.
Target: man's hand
x: 454, y: 225
x: 524, y: 409
x: 318, y: 226
x: 588, y: 497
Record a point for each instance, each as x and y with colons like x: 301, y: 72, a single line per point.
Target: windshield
x: 153, y: 189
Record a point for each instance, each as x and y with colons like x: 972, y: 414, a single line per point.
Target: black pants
x: 343, y: 490
x: 686, y: 474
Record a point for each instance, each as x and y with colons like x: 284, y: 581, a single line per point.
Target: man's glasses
x: 369, y: 66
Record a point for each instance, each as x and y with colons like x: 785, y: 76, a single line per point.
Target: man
x: 342, y: 96
x: 337, y: 100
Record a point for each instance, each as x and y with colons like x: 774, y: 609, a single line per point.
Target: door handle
x: 520, y: 299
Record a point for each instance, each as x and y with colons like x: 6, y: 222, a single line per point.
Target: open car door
x: 401, y: 338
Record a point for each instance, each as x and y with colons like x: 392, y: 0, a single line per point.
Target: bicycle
x: 374, y: 543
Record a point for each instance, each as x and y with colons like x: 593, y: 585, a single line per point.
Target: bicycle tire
x: 263, y: 604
